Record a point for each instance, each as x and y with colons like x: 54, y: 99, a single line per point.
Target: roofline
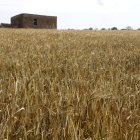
x: 33, y: 14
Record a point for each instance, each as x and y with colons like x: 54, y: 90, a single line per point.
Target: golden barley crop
x: 69, y: 85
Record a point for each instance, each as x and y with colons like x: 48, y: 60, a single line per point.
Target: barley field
x: 69, y: 85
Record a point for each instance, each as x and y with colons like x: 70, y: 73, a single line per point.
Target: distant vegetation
x: 103, y: 29
x: 113, y: 28
x: 90, y: 28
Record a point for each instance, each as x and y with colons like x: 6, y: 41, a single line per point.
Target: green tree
x: 90, y: 28
x: 138, y: 29
x: 114, y: 28
x: 103, y: 29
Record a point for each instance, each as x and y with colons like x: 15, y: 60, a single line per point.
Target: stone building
x: 34, y: 21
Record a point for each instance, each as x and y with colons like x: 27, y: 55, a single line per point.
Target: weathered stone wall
x: 17, y: 21
x: 5, y: 25
x: 27, y: 21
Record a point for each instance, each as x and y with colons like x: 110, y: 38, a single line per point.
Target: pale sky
x: 77, y: 14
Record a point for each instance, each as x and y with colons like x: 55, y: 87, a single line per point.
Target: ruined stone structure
x: 34, y: 21
x: 31, y: 21
x: 5, y: 25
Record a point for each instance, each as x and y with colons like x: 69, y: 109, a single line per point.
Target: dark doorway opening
x: 35, y: 21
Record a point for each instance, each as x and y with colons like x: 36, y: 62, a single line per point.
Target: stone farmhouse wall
x: 34, y: 21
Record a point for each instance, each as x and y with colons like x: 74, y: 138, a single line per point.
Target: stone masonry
x: 34, y: 21
x: 31, y: 21
x: 5, y: 25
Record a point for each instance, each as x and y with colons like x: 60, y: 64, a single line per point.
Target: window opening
x: 35, y: 21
